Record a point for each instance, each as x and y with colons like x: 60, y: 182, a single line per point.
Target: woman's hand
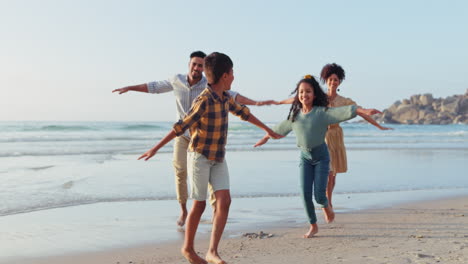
x: 368, y: 112
x: 385, y: 128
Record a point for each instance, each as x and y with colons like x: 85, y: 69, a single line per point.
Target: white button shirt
x: 184, y: 93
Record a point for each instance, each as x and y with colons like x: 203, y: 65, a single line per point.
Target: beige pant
x: 179, y: 162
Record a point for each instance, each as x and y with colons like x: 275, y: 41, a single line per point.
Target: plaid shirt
x: 183, y: 92
x: 208, y: 123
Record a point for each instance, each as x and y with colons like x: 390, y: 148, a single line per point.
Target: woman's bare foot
x: 214, y: 258
x: 192, y: 256
x: 312, y: 231
x: 182, y: 218
x: 329, y: 214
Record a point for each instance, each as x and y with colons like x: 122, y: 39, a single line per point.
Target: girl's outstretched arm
x: 262, y: 141
x: 287, y: 101
x: 150, y: 153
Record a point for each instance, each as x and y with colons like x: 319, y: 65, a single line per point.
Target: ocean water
x: 45, y: 165
x: 69, y: 187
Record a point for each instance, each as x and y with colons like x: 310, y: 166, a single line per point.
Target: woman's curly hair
x: 330, y: 69
x: 321, y: 98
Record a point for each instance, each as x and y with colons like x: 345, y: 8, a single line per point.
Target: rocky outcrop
x: 424, y: 109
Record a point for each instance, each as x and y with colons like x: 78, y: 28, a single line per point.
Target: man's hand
x: 121, y: 90
x: 148, y: 154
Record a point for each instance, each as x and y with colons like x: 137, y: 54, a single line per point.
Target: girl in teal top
x: 309, y: 118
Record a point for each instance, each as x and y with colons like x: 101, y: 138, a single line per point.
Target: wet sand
x: 421, y: 232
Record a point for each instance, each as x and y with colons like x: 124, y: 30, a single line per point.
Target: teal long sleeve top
x: 310, y: 128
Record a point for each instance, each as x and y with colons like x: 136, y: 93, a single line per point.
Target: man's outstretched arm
x: 137, y: 88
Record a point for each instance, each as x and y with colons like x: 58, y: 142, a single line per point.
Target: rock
x: 426, y: 99
x: 463, y: 105
x: 424, y: 109
x: 450, y: 105
x: 394, y: 106
x: 458, y: 119
x: 415, y: 99
x: 406, y: 112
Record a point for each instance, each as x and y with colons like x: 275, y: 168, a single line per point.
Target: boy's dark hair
x: 198, y: 54
x: 330, y: 69
x: 321, y: 98
x: 216, y: 64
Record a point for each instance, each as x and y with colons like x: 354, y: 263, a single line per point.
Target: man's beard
x: 196, y: 75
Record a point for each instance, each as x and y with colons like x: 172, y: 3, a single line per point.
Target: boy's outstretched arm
x: 150, y: 153
x: 252, y: 119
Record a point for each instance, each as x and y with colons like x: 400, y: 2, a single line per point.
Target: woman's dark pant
x: 314, y: 167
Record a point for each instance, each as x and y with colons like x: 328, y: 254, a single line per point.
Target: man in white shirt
x: 186, y: 88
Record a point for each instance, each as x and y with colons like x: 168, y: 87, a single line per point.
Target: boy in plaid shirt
x: 208, y: 124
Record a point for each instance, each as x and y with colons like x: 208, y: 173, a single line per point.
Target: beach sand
x: 421, y: 232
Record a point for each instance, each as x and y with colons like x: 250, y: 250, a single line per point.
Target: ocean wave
x: 417, y: 134
x: 143, y: 127
x: 78, y: 152
x: 38, y: 139
x: 63, y: 128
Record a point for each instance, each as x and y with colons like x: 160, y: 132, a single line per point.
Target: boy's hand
x: 121, y: 90
x: 148, y: 154
x: 262, y: 141
x: 274, y: 135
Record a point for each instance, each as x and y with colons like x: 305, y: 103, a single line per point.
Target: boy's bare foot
x: 329, y: 214
x: 214, y: 258
x: 192, y: 257
x: 182, y: 218
x: 312, y: 231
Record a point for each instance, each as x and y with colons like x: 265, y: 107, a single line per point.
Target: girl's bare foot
x: 312, y: 231
x: 192, y: 256
x: 329, y: 214
x: 214, y: 258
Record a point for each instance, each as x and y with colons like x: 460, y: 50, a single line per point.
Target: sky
x: 60, y: 59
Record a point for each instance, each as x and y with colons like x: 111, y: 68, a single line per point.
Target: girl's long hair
x: 321, y: 98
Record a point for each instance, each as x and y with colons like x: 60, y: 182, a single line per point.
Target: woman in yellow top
x: 332, y: 75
